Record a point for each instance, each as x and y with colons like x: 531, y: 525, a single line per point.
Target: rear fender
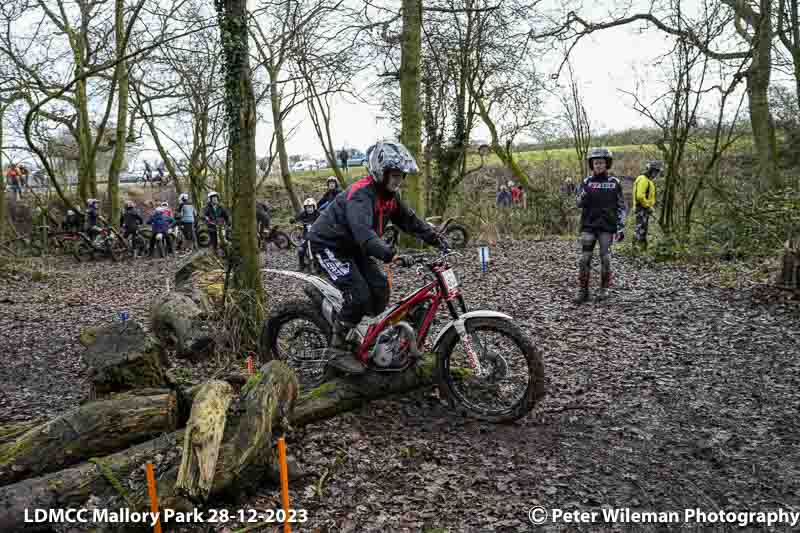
x: 323, y: 294
x: 459, y: 324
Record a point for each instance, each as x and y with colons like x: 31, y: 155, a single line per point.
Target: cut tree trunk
x: 789, y: 277
x: 181, y: 319
x: 122, y: 357
x: 203, y: 438
x: 91, y: 430
x: 244, y: 455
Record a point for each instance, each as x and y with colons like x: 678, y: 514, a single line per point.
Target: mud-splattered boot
x: 339, y: 354
x: 583, y: 289
x: 605, y: 282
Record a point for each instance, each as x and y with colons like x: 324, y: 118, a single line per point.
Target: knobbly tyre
x: 472, y: 377
x: 273, y: 235
x: 457, y: 235
x: 103, y: 244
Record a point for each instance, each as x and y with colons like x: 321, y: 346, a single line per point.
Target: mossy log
x: 348, y: 392
x: 122, y: 356
x: 93, y: 429
x: 204, y: 432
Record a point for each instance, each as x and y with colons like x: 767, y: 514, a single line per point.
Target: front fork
x: 466, y: 339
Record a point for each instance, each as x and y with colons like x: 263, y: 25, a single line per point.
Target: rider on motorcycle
x: 214, y: 214
x: 306, y: 217
x: 347, y: 236
x: 160, y: 223
x: 91, y: 218
x: 130, y: 220
x: 330, y: 193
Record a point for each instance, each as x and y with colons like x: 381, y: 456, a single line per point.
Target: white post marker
x: 483, y: 253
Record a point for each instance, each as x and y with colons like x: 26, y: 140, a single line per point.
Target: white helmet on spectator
x: 184, y: 197
x: 212, y: 194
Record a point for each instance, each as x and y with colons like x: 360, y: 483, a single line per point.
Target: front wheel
x: 457, y: 235
x: 508, y: 378
x: 296, y: 236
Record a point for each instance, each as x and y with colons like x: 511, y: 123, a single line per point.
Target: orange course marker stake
x: 250, y: 370
x: 151, y: 490
x: 389, y: 277
x: 287, y: 527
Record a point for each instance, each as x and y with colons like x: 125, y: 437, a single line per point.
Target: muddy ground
x: 676, y: 393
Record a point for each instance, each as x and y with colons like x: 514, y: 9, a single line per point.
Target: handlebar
x: 425, y: 259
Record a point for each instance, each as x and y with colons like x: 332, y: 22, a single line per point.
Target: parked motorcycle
x: 457, y: 235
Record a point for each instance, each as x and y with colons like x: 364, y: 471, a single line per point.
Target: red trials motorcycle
x: 486, y: 367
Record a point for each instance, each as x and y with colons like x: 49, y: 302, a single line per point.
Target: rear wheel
x: 161, y: 247
x: 457, y: 235
x: 83, y: 251
x: 297, y: 334
x: 281, y: 240
x: 511, y: 377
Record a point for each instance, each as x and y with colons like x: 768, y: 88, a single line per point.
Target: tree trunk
x: 203, y: 438
x: 241, y: 107
x: 122, y: 356
x: 93, y: 429
x: 122, y: 114
x: 758, y: 81
x: 280, y: 141
x: 411, y: 116
x: 2, y: 178
x: 790, y: 270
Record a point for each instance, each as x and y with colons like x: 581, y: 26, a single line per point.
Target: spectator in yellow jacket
x: 644, y: 199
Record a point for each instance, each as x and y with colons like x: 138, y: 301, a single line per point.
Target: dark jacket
x: 353, y: 223
x: 160, y: 222
x: 263, y: 214
x: 131, y: 219
x: 327, y: 198
x: 503, y: 199
x: 306, y: 220
x: 213, y: 215
x: 91, y: 217
x: 603, y: 204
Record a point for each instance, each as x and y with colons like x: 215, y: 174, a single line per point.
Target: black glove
x: 405, y: 260
x: 620, y: 236
x: 444, y: 246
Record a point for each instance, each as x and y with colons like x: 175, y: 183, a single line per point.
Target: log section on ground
x: 93, y: 429
x: 122, y: 356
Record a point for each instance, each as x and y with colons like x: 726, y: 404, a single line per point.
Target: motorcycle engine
x: 389, y: 350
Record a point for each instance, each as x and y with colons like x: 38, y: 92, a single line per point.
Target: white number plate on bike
x: 450, y: 279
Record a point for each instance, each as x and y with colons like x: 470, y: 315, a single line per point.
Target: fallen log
x: 93, y: 429
x: 122, y: 356
x: 244, y: 456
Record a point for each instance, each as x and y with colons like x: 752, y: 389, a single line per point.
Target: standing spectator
x: 644, y: 199
x: 12, y: 175
x: 185, y: 214
x: 161, y: 168
x: 23, y: 176
x: 504, y: 196
x: 215, y: 216
x: 148, y: 173
x: 343, y: 158
x: 516, y: 193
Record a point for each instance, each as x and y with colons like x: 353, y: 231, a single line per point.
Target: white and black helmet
x: 91, y: 201
x: 184, y: 197
x: 212, y: 194
x: 600, y: 153
x: 309, y: 202
x: 386, y: 156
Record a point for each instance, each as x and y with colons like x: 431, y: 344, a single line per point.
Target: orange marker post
x: 151, y: 490
x: 287, y: 527
x: 250, y: 370
x: 389, y: 277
